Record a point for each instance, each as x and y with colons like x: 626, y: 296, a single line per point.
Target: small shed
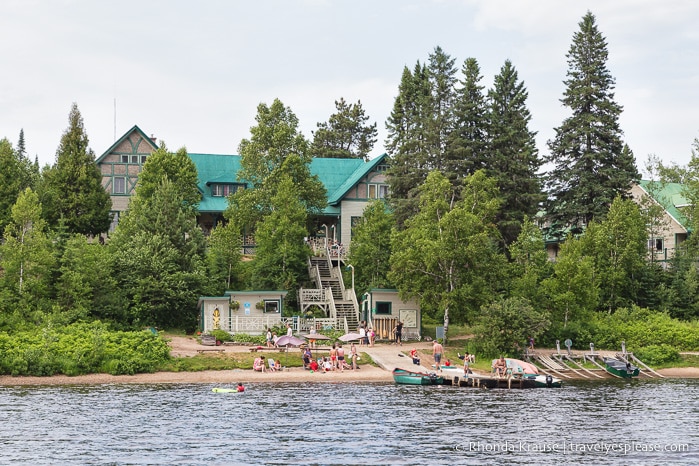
x: 251, y: 312
x: 383, y: 308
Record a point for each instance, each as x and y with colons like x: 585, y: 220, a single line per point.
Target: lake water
x: 655, y: 421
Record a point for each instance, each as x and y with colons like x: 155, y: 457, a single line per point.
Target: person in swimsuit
x: 341, y: 358
x: 333, y: 356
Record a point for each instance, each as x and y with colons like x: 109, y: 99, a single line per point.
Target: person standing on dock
x: 398, y: 332
x: 437, y: 351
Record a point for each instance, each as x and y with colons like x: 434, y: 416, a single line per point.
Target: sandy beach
x: 186, y: 346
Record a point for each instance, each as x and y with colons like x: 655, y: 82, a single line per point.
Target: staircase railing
x: 331, y: 302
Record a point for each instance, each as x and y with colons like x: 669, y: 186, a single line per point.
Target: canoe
x: 544, y: 381
x: 225, y: 390
x: 620, y: 368
x: 406, y: 377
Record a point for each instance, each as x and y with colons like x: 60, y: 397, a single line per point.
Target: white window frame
x: 119, y: 181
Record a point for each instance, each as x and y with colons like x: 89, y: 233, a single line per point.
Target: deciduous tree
x: 447, y: 256
x: 370, y: 249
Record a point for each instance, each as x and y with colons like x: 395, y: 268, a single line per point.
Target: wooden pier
x: 457, y: 378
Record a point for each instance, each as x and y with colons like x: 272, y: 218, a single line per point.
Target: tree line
x: 461, y: 229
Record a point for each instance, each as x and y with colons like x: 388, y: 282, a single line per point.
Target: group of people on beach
x: 337, y: 360
x: 367, y: 336
x: 260, y: 365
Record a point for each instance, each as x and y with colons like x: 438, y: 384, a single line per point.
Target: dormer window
x: 225, y: 189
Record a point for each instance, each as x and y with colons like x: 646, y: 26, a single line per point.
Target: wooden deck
x: 458, y: 378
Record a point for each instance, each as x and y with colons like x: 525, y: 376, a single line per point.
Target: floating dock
x: 456, y: 377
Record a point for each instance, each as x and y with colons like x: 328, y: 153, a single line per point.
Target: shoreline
x: 385, y: 355
x: 367, y: 374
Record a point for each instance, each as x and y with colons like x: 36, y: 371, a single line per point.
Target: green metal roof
x: 214, y: 168
x: 670, y: 196
x: 337, y: 175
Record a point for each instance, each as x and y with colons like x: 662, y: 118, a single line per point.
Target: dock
x: 457, y: 378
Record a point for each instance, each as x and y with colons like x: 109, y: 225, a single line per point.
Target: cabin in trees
x: 350, y: 184
x: 670, y: 230
x: 250, y: 312
x: 383, y: 308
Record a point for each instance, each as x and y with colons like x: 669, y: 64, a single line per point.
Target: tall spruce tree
x: 419, y: 129
x: 10, y: 182
x: 467, y: 146
x: 406, y: 144
x: 346, y: 134
x: 591, y: 165
x: 440, y: 119
x: 512, y: 159
x: 72, y: 192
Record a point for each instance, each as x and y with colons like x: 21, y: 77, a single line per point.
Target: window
x: 383, y: 191
x: 271, y: 306
x: 119, y: 185
x: 656, y: 244
x: 134, y: 159
x: 378, y: 191
x: 124, y: 159
x: 354, y: 221
x: 383, y: 307
x: 143, y: 159
x: 224, y: 190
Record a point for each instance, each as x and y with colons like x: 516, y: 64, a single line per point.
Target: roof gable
x: 340, y: 175
x: 127, y: 135
x: 670, y: 196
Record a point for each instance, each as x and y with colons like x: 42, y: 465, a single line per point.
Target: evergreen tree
x: 419, y: 130
x: 466, y: 151
x: 591, y: 165
x: 513, y: 159
x: 10, y: 182
x: 346, y: 134
x: 406, y: 144
x: 30, y: 171
x: 440, y: 119
x: 86, y: 288
x: 72, y: 190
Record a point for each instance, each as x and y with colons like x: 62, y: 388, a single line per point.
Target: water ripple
x: 349, y: 424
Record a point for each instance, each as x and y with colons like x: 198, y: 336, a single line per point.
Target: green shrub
x: 658, y: 354
x: 80, y: 348
x: 252, y: 339
x: 221, y: 335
